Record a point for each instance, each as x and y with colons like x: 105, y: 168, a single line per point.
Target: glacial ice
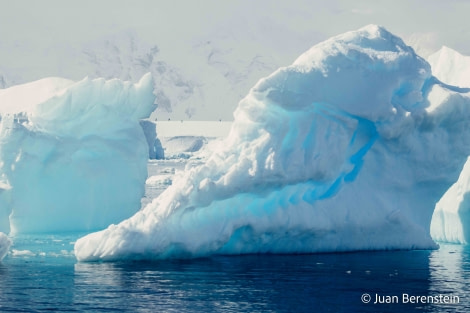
x: 183, y: 146
x: 5, y: 243
x: 451, y: 219
x: 451, y: 67
x: 73, y: 156
x: 349, y: 148
x: 155, y: 146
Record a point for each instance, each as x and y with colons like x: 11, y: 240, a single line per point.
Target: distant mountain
x: 200, y: 78
x: 206, y: 86
x: 451, y: 67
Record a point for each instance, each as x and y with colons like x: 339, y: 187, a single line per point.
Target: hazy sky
x: 427, y: 24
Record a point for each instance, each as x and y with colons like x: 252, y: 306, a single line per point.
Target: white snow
x: 5, y: 244
x: 22, y: 98
x: 183, y: 139
x: 339, y: 151
x: 211, y: 129
x: 72, y: 159
x: 182, y: 146
x: 159, y: 180
x: 451, y: 219
x: 451, y: 67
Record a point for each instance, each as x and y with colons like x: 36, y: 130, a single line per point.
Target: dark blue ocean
x: 41, y: 275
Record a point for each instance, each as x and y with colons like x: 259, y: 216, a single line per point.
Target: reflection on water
x: 450, y: 274
x: 254, y: 283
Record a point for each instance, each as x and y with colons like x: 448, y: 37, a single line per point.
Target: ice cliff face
x: 73, y: 156
x: 349, y: 148
x: 4, y: 245
x: 451, y: 218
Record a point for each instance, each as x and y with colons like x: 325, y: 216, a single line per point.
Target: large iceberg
x: 349, y: 148
x: 451, y: 219
x: 73, y: 156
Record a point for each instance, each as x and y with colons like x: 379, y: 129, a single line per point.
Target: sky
x: 249, y: 39
x: 425, y: 24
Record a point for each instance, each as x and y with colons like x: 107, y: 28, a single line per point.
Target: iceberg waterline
x: 75, y: 157
x: 349, y: 148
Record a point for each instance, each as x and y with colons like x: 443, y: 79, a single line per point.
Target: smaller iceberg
x: 5, y: 244
x: 73, y: 156
x: 451, y: 218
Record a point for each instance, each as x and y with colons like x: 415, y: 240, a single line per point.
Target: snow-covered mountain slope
x: 451, y: 67
x: 204, y: 83
x: 349, y: 148
x: 73, y: 156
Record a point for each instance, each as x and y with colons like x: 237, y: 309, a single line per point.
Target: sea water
x: 49, y: 279
x: 41, y: 274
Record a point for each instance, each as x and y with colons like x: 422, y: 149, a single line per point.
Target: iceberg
x: 451, y: 67
x: 5, y: 243
x: 73, y: 156
x: 349, y: 148
x: 156, y: 150
x: 451, y: 219
x: 183, y: 147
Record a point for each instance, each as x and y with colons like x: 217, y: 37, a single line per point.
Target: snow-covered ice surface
x: 5, y: 243
x: 349, y: 148
x: 185, y: 139
x: 451, y: 218
x: 72, y: 159
x: 183, y: 146
x: 22, y: 98
x: 209, y: 129
x: 451, y: 67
